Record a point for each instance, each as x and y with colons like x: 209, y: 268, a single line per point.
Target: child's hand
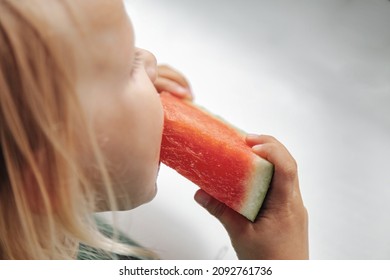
x: 281, y: 228
x: 169, y: 79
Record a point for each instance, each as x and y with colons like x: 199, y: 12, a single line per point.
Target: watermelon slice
x: 213, y: 155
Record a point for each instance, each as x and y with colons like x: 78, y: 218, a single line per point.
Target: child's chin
x: 152, y: 194
x: 146, y: 198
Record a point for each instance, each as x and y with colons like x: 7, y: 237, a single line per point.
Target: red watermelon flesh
x: 213, y: 155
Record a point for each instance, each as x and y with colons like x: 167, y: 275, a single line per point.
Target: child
x: 80, y: 131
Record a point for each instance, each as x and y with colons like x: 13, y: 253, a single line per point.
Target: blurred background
x: 314, y: 74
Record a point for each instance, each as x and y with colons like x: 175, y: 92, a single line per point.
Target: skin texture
x: 122, y: 103
x: 281, y: 228
x: 119, y: 93
x: 173, y: 81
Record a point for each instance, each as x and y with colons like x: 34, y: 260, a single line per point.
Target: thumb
x: 230, y: 219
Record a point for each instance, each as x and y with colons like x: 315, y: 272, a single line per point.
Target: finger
x: 278, y: 155
x: 269, y: 148
x: 168, y: 72
x: 285, y: 178
x: 254, y: 139
x: 231, y: 220
x: 163, y: 84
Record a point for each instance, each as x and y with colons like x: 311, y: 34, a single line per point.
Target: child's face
x: 117, y: 92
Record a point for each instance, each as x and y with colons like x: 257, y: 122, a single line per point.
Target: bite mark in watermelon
x: 213, y: 155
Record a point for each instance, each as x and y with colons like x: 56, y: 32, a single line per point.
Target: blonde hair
x: 46, y: 198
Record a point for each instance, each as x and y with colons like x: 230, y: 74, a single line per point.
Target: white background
x: 316, y: 75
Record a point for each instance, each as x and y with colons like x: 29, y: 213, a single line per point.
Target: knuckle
x: 271, y: 148
x: 268, y: 138
x: 218, y: 209
x: 271, y: 138
x: 291, y: 169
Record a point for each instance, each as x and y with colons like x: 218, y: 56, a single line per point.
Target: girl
x: 80, y: 131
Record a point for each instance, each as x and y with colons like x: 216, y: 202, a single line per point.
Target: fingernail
x: 202, y: 198
x: 181, y: 90
x: 252, y: 136
x: 257, y: 148
x: 184, y: 92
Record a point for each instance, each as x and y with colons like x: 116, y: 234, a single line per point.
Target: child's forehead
x: 100, y: 14
x: 101, y: 37
x: 102, y: 25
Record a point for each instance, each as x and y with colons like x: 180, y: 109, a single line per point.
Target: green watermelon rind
x: 258, y: 185
x: 257, y: 181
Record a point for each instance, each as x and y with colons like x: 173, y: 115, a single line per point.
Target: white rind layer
x: 258, y: 185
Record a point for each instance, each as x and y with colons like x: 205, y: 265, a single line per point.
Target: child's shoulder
x: 87, y: 252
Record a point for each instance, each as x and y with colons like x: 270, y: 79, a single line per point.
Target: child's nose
x: 150, y: 63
